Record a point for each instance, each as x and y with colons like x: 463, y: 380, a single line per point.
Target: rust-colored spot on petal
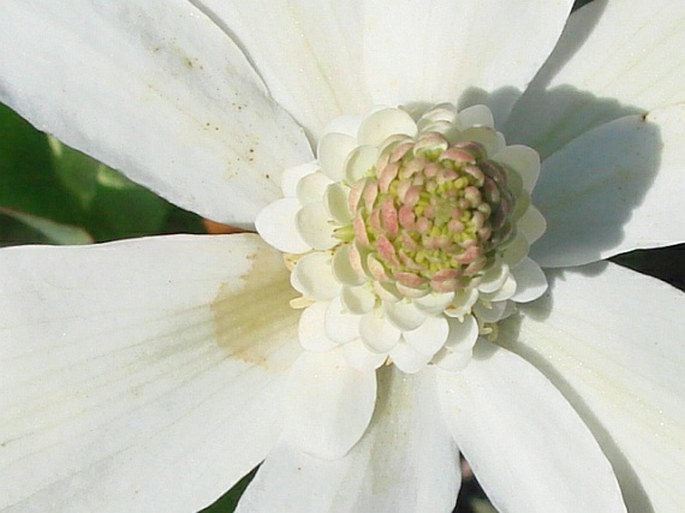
x: 253, y: 321
x: 218, y: 228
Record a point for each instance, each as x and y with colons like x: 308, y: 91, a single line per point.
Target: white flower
x: 408, y: 237
x: 150, y: 375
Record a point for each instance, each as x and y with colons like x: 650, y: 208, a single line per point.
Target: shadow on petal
x: 629, y: 481
x: 602, y: 159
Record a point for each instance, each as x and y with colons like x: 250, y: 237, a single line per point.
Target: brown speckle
x: 192, y: 62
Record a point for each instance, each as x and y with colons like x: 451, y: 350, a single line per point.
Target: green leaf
x: 228, y: 502
x: 54, y: 232
x: 122, y: 209
x: 113, y: 206
x: 482, y: 506
x: 27, y: 181
x: 75, y: 171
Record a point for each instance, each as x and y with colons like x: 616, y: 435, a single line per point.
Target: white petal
x: 345, y: 124
x: 531, y: 282
x: 377, y: 332
x: 609, y: 63
x: 494, y: 278
x: 313, y: 277
x: 502, y: 294
x: 476, y: 115
x: 316, y: 226
x: 405, y: 463
x: 359, y: 162
x: 491, y: 139
x: 165, y: 96
x: 312, y: 188
x: 342, y: 267
x: 462, y: 303
x: 406, y: 291
x: 340, y: 324
x: 526, y: 444
x: 452, y: 361
x: 463, y: 334
x: 516, y: 250
x: 277, y: 225
x: 613, y: 344
x: 433, y: 302
x: 524, y: 160
x: 407, y: 359
x: 532, y: 224
x: 312, y: 328
x: 387, y: 291
x: 430, y: 336
x: 614, y: 189
x: 358, y: 300
x: 120, y: 360
x: 327, y: 404
x: 404, y: 315
x: 383, y: 123
x: 332, y: 152
x: 291, y: 177
x: 309, y: 56
x: 415, y: 53
x: 447, y: 112
x: 492, y: 312
x: 337, y: 204
x: 359, y: 357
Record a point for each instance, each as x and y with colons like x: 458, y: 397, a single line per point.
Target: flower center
x: 408, y: 236
x: 431, y: 214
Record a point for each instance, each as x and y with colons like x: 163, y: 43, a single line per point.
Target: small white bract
x: 408, y: 236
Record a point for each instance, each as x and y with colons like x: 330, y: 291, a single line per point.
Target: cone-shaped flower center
x: 431, y: 213
x: 408, y: 237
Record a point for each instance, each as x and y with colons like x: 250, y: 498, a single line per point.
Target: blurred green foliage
x: 50, y: 193
x: 228, y: 502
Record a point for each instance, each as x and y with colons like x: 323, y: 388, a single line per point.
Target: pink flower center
x: 431, y: 214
